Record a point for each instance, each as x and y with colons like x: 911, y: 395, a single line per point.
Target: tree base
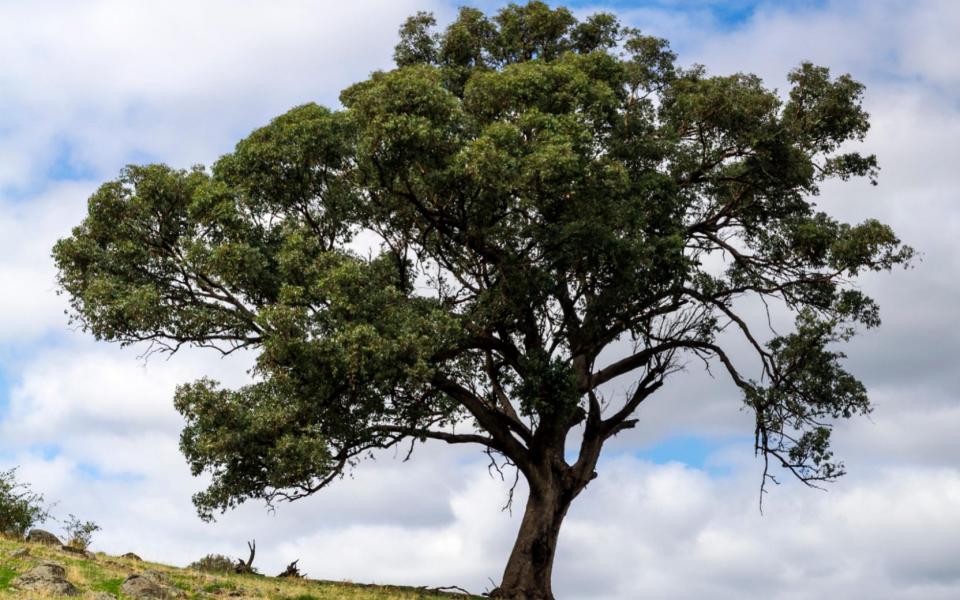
x: 518, y: 594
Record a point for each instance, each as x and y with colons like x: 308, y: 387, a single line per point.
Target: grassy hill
x: 104, y: 574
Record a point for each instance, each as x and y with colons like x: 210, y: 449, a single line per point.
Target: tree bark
x: 530, y: 566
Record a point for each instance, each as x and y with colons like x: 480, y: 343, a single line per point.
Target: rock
x: 47, y: 578
x: 39, y: 536
x: 20, y: 553
x: 138, y: 587
x: 157, y: 577
x: 149, y: 584
x: 79, y: 552
x: 103, y: 596
x: 132, y: 556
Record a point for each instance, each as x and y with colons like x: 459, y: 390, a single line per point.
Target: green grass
x: 219, y: 586
x: 111, y: 586
x: 7, y: 574
x: 98, y: 579
x: 107, y: 573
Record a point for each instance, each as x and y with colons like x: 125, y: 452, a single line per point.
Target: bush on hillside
x: 20, y: 507
x: 80, y: 533
x: 214, y: 563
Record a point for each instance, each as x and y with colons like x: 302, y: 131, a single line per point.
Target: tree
x: 541, y: 189
x: 20, y: 507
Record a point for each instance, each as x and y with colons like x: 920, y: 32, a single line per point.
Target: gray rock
x: 47, y: 578
x: 157, y: 577
x: 20, y: 553
x: 103, y: 596
x: 79, y: 552
x: 132, y: 556
x: 138, y: 587
x: 148, y: 585
x: 39, y: 536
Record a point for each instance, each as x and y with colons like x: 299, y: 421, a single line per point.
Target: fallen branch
x: 292, y: 571
x: 246, y: 566
x: 446, y: 589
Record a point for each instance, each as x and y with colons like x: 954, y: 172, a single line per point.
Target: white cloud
x: 84, y: 387
x: 885, y: 536
x: 29, y: 306
x: 112, y: 80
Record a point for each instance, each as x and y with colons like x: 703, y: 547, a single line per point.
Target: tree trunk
x: 529, y: 569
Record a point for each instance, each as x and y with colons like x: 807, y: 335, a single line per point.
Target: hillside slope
x: 102, y: 576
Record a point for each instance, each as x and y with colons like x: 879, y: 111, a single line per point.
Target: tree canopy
x: 537, y: 189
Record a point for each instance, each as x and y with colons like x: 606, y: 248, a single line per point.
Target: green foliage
x: 20, y: 507
x: 80, y: 533
x: 540, y: 189
x: 214, y: 563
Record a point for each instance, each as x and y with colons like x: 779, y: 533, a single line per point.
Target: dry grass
x: 106, y: 573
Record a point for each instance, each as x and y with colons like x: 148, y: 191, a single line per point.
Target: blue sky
x: 696, y: 451
x: 726, y: 14
x: 88, y: 87
x: 4, y: 391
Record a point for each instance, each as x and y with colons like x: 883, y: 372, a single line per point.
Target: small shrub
x: 80, y: 533
x: 214, y: 563
x: 20, y: 507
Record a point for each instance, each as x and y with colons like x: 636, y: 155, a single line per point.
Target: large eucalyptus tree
x: 540, y: 189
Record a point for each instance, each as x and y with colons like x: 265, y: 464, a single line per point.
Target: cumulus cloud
x: 108, y: 82
x: 88, y: 88
x: 29, y: 306
x: 673, y: 532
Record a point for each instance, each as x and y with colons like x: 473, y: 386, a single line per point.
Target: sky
x: 87, y: 87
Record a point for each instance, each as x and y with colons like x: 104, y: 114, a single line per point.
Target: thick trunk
x: 529, y: 569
